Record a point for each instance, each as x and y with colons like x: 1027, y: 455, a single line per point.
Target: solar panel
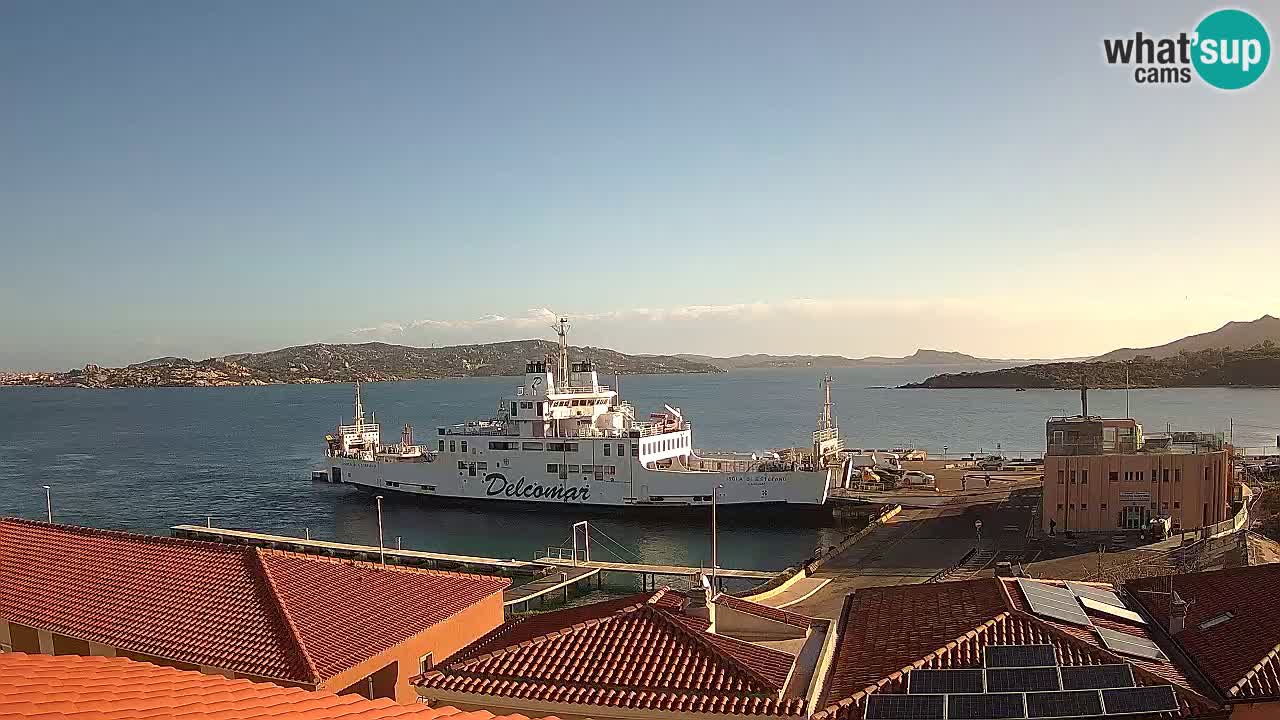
x: 1064, y: 704
x: 1095, y: 593
x: 1112, y: 610
x: 1053, y: 602
x: 906, y: 707
x: 985, y: 707
x: 1022, y: 679
x: 1124, y: 701
x: 944, y: 681
x: 1008, y: 656
x: 1096, y: 677
x: 1130, y: 644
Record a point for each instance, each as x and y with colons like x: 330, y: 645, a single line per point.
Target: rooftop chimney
x: 1177, y: 614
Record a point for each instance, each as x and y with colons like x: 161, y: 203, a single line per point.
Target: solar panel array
x: 1054, y: 602
x: 1095, y: 593
x: 1021, y: 682
x: 1130, y: 644
x: 1097, y: 677
x: 1019, y: 656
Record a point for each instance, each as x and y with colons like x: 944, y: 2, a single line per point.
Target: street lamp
x: 48, y: 503
x: 382, y: 556
x: 715, y: 546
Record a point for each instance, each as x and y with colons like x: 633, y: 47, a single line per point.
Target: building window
x: 1153, y: 506
x: 1176, y: 505
x: 635, y: 452
x: 1164, y: 505
x: 1084, y: 477
x: 1057, y: 437
x: 464, y: 446
x: 622, y: 449
x: 1177, y: 474
x: 607, y: 449
x: 425, y: 663
x: 453, y: 446
x: 1062, y: 474
x: 1059, y: 507
x: 441, y: 446
x: 1113, y: 476
x: 553, y: 467
x: 1073, y: 477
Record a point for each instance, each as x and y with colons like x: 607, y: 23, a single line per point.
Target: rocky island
x: 364, y: 362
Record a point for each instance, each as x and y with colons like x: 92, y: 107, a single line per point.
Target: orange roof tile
x: 268, y: 614
x: 70, y: 687
x: 1238, y: 653
x: 644, y: 656
x: 888, y: 632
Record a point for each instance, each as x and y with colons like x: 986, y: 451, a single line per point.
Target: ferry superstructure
x: 563, y: 438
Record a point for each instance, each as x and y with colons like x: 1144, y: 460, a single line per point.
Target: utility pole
x: 382, y: 555
x: 715, y: 547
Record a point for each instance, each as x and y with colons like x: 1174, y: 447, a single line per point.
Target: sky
x: 194, y: 179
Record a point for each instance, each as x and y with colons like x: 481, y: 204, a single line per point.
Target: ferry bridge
x: 557, y: 569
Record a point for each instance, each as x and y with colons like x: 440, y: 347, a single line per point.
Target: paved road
x: 916, y: 545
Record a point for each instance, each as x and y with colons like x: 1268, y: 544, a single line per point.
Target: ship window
x: 572, y: 447
x: 462, y: 465
x: 599, y: 475
x: 1084, y: 477
x: 471, y: 470
x: 453, y: 446
x: 1177, y: 474
x: 428, y: 487
x: 513, y: 408
x: 532, y: 446
x: 573, y: 468
x: 441, y: 446
x: 607, y: 449
x: 622, y: 449
x: 635, y: 451
x: 552, y: 467
x: 538, y: 407
x: 482, y: 466
x: 1113, y: 476
x: 464, y: 446
x: 611, y: 469
x: 1176, y: 505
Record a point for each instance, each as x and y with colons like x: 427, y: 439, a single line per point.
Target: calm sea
x: 151, y: 458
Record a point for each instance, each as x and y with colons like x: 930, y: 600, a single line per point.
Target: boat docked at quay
x: 564, y: 439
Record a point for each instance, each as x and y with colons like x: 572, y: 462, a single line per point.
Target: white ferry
x: 563, y: 438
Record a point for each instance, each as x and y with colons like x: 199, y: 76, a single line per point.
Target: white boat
x: 562, y: 438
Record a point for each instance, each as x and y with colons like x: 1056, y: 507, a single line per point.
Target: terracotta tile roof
x: 644, y: 656
x: 888, y: 632
x: 1237, y: 655
x: 268, y: 614
x: 763, y: 611
x: 69, y: 687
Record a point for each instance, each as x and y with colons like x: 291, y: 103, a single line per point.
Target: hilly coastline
x: 1204, y: 360
x: 364, y: 362
x: 922, y: 357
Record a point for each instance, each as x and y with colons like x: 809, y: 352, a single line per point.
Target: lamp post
x: 48, y: 503
x: 382, y: 556
x: 715, y: 546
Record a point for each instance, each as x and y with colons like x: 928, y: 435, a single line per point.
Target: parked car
x: 915, y: 477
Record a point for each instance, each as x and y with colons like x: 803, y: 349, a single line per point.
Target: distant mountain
x: 936, y: 358
x: 366, y: 362
x: 1236, y: 335
x: 1258, y: 366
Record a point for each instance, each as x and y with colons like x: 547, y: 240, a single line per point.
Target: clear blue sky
x: 202, y: 178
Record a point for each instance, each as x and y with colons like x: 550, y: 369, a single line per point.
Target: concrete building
x: 241, y: 612
x: 1102, y: 474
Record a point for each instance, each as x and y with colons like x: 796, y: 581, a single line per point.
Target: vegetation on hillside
x: 1258, y: 366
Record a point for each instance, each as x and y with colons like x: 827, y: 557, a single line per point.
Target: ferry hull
x: 631, y: 487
